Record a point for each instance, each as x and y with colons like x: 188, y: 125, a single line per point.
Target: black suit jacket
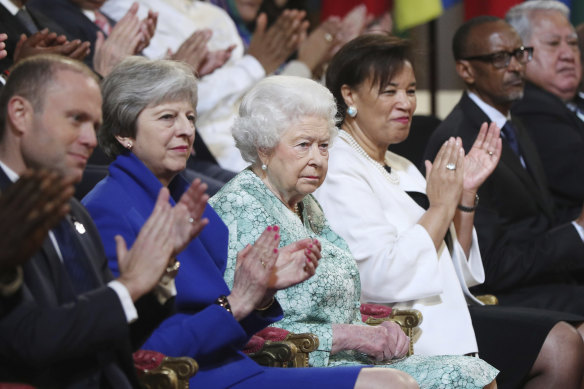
x: 55, y: 338
x: 520, y: 241
x: 10, y: 25
x: 72, y: 19
x: 558, y: 134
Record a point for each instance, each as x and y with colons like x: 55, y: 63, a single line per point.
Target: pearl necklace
x: 392, y: 178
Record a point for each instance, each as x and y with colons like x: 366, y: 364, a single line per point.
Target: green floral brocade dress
x: 332, y: 295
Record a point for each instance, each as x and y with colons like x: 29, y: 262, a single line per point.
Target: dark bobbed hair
x: 374, y: 57
x: 460, y: 43
x: 30, y: 79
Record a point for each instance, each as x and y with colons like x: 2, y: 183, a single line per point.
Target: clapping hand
x: 188, y: 215
x: 296, y: 262
x: 482, y: 158
x: 28, y: 210
x: 444, y: 177
x: 142, y: 267
x: 253, y: 271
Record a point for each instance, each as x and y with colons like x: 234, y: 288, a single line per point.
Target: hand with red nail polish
x: 295, y: 263
x: 253, y: 273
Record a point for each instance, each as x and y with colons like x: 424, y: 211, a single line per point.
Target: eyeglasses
x: 502, y: 59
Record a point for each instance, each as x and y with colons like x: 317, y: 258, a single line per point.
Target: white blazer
x: 397, y: 260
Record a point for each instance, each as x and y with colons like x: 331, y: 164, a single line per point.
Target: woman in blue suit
x: 149, y: 114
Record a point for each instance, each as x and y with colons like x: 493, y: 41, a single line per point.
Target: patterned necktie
x: 73, y: 256
x: 510, y: 134
x: 102, y: 22
x: 24, y: 17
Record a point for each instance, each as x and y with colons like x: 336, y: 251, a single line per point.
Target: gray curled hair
x: 275, y: 104
x: 520, y: 15
x: 137, y: 83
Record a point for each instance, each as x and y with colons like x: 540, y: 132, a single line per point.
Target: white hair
x: 520, y: 15
x: 275, y: 104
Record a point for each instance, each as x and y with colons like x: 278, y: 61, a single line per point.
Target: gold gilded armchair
x: 276, y: 347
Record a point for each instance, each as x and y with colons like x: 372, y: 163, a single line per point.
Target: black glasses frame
x: 502, y: 59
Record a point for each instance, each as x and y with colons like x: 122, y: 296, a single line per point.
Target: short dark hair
x: 460, y: 43
x: 31, y: 77
x: 375, y: 56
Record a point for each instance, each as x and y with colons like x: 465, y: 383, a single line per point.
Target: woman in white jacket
x: 413, y: 238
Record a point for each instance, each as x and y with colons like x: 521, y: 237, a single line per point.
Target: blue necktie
x: 74, y: 259
x: 509, y: 133
x: 24, y: 17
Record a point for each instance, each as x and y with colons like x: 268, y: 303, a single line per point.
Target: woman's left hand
x: 188, y: 212
x: 296, y: 262
x: 482, y: 158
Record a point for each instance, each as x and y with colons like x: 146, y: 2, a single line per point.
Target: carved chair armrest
x: 276, y: 354
x: 303, y: 345
x: 306, y: 343
x: 488, y: 299
x: 155, y: 371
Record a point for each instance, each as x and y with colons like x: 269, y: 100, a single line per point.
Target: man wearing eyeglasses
x: 527, y: 254
x: 548, y: 109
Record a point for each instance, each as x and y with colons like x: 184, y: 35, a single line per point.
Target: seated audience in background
x: 284, y: 130
x: 28, y: 210
x: 548, y: 109
x: 221, y: 91
x: 71, y: 326
x: 149, y: 125
x: 30, y: 32
x: 413, y: 239
x: 110, y: 43
x: 268, y: 50
x: 530, y: 255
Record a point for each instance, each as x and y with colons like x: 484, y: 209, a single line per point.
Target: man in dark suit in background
x: 16, y: 20
x: 71, y: 326
x: 548, y: 110
x: 528, y: 255
x: 83, y: 20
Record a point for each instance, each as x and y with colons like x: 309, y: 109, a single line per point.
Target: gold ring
x: 174, y: 267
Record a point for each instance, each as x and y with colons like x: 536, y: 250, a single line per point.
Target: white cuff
x: 579, y: 229
x: 125, y: 299
x: 253, y: 66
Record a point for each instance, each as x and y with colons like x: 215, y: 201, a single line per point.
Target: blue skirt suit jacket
x: 120, y: 205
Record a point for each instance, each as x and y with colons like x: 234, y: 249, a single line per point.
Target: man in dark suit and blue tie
x: 74, y: 325
x: 529, y: 255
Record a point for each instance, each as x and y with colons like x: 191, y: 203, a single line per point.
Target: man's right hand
x: 28, y: 210
x: 143, y: 266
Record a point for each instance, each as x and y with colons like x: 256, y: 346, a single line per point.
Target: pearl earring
x: 129, y: 146
x: 352, y: 111
x: 264, y: 167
